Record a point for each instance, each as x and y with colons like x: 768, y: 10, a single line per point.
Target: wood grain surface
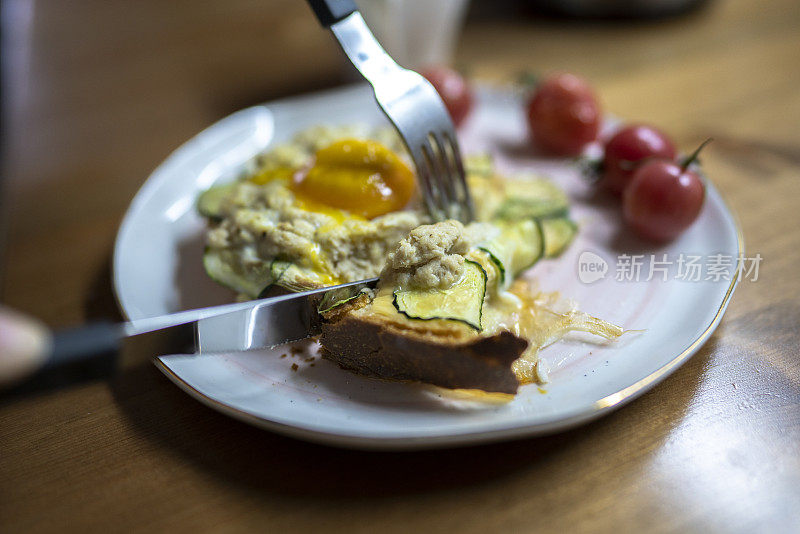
x: 97, y: 93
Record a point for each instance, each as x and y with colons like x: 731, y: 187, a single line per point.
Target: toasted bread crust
x: 381, y: 350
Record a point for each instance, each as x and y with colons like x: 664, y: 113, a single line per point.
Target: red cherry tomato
x: 662, y: 199
x: 563, y: 115
x: 454, y: 90
x: 627, y: 149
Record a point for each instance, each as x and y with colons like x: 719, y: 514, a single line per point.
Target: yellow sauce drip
x: 265, y: 176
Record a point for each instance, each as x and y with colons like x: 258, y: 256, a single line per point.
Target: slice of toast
x: 433, y: 352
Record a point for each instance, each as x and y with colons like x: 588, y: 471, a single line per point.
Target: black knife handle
x: 94, y: 345
x: 329, y: 12
x: 83, y: 343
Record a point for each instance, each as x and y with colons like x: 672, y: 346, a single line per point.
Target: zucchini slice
x: 479, y: 165
x: 209, y: 204
x: 221, y: 266
x: 558, y: 234
x: 278, y: 267
x: 537, y: 199
x: 462, y: 302
x: 514, y: 209
x: 518, y: 247
x: 336, y: 297
x: 295, y: 278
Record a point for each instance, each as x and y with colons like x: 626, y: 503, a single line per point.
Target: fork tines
x: 417, y: 112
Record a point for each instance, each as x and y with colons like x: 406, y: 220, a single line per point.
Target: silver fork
x: 412, y: 105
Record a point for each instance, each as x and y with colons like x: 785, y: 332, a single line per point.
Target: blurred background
x: 96, y: 93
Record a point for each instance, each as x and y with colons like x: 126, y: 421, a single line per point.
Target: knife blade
x: 234, y: 327
x: 249, y: 325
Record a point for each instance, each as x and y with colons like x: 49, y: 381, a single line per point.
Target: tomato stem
x: 528, y: 80
x: 591, y: 168
x: 693, y: 156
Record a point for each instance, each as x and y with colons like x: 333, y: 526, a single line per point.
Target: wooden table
x: 102, y: 91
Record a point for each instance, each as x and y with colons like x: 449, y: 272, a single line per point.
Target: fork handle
x: 329, y: 12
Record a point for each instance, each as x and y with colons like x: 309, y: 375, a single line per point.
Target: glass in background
x: 416, y: 33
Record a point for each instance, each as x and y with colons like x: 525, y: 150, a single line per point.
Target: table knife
x: 218, y: 329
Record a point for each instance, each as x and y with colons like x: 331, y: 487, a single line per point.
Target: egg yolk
x: 362, y: 177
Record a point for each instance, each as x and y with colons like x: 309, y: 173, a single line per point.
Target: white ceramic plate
x: 157, y: 270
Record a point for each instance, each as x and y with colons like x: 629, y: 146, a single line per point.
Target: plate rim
x: 598, y: 408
